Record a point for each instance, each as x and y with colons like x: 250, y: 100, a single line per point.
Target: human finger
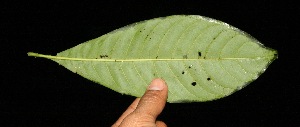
x: 129, y: 110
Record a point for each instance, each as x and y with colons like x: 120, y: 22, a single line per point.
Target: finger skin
x: 129, y: 110
x: 148, y: 108
x: 160, y: 124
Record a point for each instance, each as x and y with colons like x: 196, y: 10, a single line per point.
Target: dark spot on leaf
x: 156, y: 57
x: 140, y: 31
x: 194, y: 83
x: 204, y: 57
x: 199, y: 54
x: 103, y: 56
x: 150, y: 38
x: 182, y: 72
x: 190, y: 66
x: 208, y: 79
x: 185, y: 57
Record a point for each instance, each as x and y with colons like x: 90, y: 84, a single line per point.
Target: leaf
x: 200, y: 59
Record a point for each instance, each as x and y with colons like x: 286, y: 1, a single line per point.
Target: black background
x: 39, y: 92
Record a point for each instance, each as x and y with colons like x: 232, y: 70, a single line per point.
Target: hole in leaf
x: 208, y: 79
x: 190, y: 66
x: 182, y: 72
x: 199, y: 54
x: 194, y: 83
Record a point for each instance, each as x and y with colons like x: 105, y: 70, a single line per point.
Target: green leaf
x: 200, y: 59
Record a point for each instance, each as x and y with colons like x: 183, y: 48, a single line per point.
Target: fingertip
x: 157, y: 84
x: 154, y: 99
x: 160, y: 124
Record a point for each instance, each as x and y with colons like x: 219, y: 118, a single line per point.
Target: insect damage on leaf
x: 103, y: 56
x: 208, y: 79
x: 127, y: 59
x: 199, y: 54
x: 182, y: 72
x: 194, y: 83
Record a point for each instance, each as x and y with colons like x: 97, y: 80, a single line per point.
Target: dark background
x: 39, y: 92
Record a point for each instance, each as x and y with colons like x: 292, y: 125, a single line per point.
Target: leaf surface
x: 200, y: 59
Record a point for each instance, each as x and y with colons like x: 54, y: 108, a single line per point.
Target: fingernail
x: 156, y: 84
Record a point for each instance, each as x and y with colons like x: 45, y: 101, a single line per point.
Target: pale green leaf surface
x: 200, y: 59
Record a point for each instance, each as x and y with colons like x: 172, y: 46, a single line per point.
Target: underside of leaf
x: 201, y: 59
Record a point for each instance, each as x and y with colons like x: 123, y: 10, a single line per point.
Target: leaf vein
x: 166, y: 33
x: 199, y: 35
x: 135, y: 68
x: 238, y: 62
x: 211, y: 42
x: 129, y: 84
x: 150, y: 31
x: 109, y: 72
x: 180, y: 37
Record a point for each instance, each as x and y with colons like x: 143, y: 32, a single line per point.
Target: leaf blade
x: 201, y: 59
